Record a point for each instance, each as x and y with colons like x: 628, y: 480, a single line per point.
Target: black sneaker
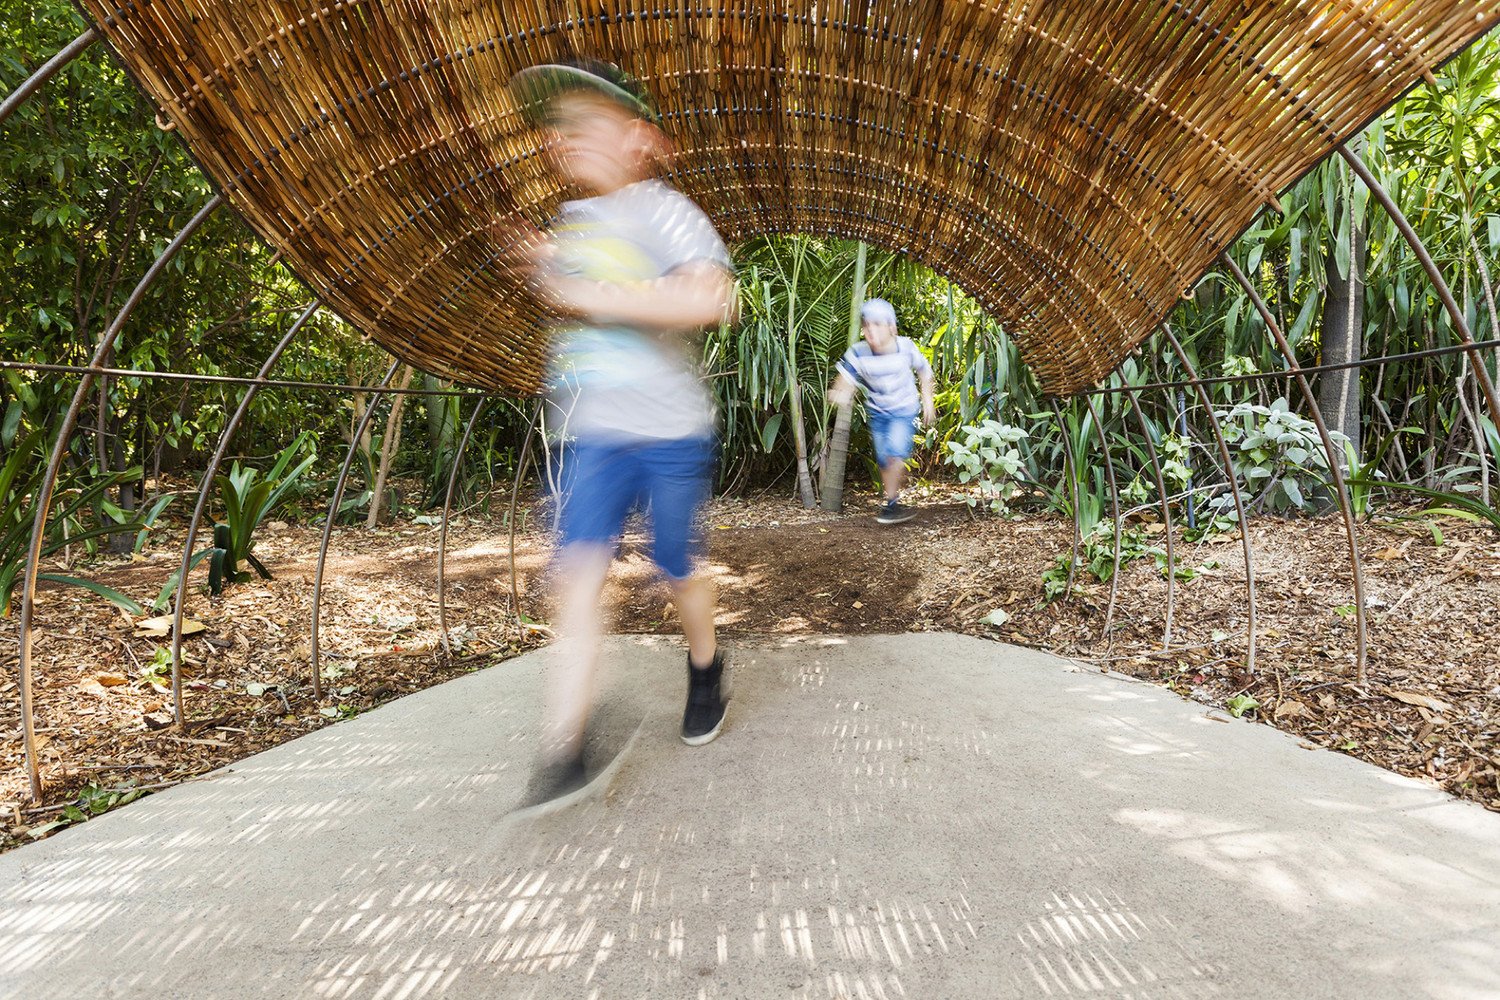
x: 704, y: 716
x: 554, y: 784
x: 894, y: 513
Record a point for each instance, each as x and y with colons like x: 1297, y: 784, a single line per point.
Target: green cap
x: 536, y: 86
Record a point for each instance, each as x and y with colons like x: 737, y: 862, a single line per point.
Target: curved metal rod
x: 49, y: 479
x: 1433, y: 274
x: 515, y: 492
x: 205, y: 490
x: 1108, y: 390
x: 1166, y: 516
x: 1234, y: 489
x: 1114, y: 492
x: 281, y: 383
x: 333, y: 515
x: 1073, y: 490
x: 458, y: 458
x: 45, y: 72
x: 1335, y: 462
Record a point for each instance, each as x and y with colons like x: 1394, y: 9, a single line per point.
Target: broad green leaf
x: 108, y: 593
x: 1304, y: 321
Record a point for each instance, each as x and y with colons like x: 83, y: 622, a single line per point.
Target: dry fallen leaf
x: 1290, y: 708
x: 1389, y: 553
x: 1414, y: 698
x: 161, y: 626
x: 110, y: 680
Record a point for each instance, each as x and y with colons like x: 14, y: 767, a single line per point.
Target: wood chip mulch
x: 1428, y: 705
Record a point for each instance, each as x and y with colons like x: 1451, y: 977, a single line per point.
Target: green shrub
x: 987, y: 456
x: 77, y: 493
x: 248, y: 499
x: 1276, y: 454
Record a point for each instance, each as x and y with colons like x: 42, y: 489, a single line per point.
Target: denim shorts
x: 603, y: 483
x: 893, y: 435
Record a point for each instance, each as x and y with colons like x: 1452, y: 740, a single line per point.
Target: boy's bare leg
x: 891, y: 474
x: 696, y: 603
x: 581, y: 570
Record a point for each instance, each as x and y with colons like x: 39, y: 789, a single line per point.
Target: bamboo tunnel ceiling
x: 1074, y: 165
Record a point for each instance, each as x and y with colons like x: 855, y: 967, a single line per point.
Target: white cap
x: 878, y: 311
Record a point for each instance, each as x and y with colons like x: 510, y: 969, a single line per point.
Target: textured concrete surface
x: 914, y: 816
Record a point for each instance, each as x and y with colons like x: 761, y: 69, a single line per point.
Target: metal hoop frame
x: 107, y: 340
x: 442, y: 559
x: 1166, y: 518
x: 1234, y: 488
x: 49, y: 480
x: 333, y: 514
x: 1335, y: 460
x: 205, y: 490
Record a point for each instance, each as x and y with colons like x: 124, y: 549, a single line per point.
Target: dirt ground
x: 1428, y: 706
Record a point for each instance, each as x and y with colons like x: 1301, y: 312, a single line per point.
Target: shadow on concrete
x: 911, y: 816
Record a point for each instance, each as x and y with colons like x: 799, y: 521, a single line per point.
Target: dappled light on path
x: 883, y: 818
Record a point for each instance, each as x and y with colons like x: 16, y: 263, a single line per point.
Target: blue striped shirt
x: 887, y: 378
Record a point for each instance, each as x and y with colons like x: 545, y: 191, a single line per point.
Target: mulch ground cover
x: 1428, y: 705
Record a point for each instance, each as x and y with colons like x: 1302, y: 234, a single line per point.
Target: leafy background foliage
x: 93, y: 189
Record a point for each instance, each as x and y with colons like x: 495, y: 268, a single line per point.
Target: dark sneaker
x: 894, y: 513
x: 554, y: 784
x: 704, y: 715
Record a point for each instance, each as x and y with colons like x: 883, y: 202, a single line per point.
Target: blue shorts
x: 602, y: 483
x: 893, y: 435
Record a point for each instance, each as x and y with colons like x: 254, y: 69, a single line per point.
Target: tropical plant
x: 831, y: 483
x: 1080, y: 488
x: 1447, y: 504
x: 986, y: 455
x: 1096, y: 557
x: 92, y: 800
x: 248, y: 498
x: 76, y: 493
x: 794, y: 291
x: 1277, y: 454
x: 94, y: 190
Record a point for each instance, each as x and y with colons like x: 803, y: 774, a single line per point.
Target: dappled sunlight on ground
x: 893, y: 818
x: 911, y: 817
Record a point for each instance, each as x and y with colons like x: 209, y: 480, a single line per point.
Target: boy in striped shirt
x: 883, y: 365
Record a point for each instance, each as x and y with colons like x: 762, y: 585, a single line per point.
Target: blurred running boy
x: 634, y: 268
x: 883, y: 364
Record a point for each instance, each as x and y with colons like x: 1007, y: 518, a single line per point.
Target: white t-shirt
x: 616, y: 382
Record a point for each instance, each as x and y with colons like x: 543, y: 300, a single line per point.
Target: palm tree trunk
x: 838, y: 456
x: 388, y: 447
x: 1489, y: 301
x: 804, y: 475
x: 799, y: 433
x: 1343, y: 330
x: 838, y: 446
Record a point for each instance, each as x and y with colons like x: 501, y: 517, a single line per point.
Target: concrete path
x: 920, y: 816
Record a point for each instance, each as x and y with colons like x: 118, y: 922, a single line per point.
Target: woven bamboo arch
x: 1074, y: 165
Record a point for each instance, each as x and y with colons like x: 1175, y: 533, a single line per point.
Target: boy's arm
x: 695, y: 295
x: 929, y: 411
x: 842, y: 390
